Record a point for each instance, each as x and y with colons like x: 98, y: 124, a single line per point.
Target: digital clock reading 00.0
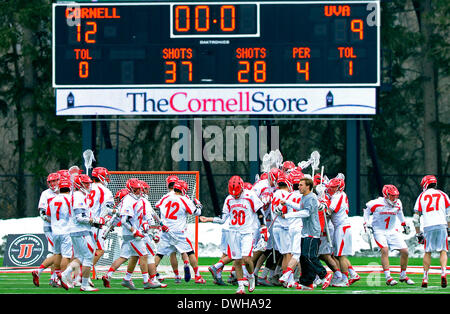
x: 222, y: 44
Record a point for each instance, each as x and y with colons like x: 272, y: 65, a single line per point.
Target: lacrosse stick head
x: 88, y: 156
x: 315, y: 160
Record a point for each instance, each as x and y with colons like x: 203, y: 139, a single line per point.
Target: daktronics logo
x: 188, y: 102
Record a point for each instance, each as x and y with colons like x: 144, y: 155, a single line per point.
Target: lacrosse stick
x: 88, y: 156
x: 274, y: 159
x: 321, y: 196
x: 314, y: 161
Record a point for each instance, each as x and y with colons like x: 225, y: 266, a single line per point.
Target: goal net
x: 157, y: 182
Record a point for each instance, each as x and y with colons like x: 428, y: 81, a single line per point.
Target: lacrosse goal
x: 157, y: 182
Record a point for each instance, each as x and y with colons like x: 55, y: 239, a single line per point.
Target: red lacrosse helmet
x: 134, y: 187
x: 333, y: 186
x: 181, y: 186
x: 264, y: 176
x: 295, y: 176
x: 317, y: 179
x: 427, y: 180
x: 248, y: 186
x: 63, y: 173
x: 102, y: 174
x: 120, y: 194
x: 390, y: 193
x: 273, y: 175
x: 235, y: 186
x: 282, y: 178
x: 64, y: 183
x: 341, y: 185
x: 82, y: 182
x: 171, y: 179
x: 288, y: 166
x: 52, y: 181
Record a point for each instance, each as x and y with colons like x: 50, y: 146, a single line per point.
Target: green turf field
x: 370, y: 283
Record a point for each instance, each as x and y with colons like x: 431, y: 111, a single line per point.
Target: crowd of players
x: 279, y: 231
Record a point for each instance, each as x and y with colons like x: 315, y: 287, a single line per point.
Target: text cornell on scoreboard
x: 216, y: 44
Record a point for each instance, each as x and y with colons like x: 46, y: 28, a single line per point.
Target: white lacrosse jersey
x: 385, y: 215
x: 433, y: 205
x: 174, y: 211
x: 294, y: 222
x: 97, y: 199
x: 242, y: 211
x: 131, y: 207
x: 276, y: 199
x: 79, y: 202
x: 264, y: 191
x: 59, y: 210
x: 339, y: 209
x: 44, y: 200
x: 147, y: 211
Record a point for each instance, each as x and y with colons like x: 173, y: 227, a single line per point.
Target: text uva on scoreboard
x: 216, y: 44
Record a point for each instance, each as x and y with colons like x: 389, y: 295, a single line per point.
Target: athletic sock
x: 219, y: 264
x: 145, y: 277
x: 387, y: 273
x: 110, y: 272
x: 127, y: 276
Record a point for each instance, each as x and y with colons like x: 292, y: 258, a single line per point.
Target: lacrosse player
x: 385, y: 211
x: 432, y: 230
x: 174, y: 209
x: 45, y: 198
x: 170, y: 181
x: 243, y: 207
x: 81, y: 234
x: 59, y: 210
x: 100, y: 202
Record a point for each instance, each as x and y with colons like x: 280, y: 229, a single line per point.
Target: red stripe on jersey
x: 420, y: 203
x: 50, y: 241
x: 190, y: 243
x: 338, y: 206
x: 379, y: 244
x: 446, y: 200
x: 102, y: 195
x: 188, y: 209
x: 375, y: 207
x: 48, y: 213
x: 161, y: 201
x: 68, y: 204
x: 228, y: 205
x: 89, y: 247
x: 252, y: 205
x: 149, y: 248
x: 228, y: 251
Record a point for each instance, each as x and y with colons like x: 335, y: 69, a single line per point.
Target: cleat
x: 251, y: 284
x: 232, y: 280
x: 158, y: 276
x: 306, y: 288
x: 391, y: 282
x: 128, y: 284
x: 106, y: 282
x: 187, y: 273
x: 354, y: 279
x: 65, y: 282
x: 163, y: 285
x: 199, y: 279
x: 407, y: 280
x: 327, y: 281
x: 340, y: 283
x: 35, y: 278
x: 152, y: 285
x: 284, y: 278
x: 317, y: 282
x: 443, y: 281
x: 178, y: 279
x: 219, y: 282
x: 264, y: 282
x: 424, y: 283
x: 213, y: 270
x: 240, y: 290
x: 91, y: 283
x: 88, y: 289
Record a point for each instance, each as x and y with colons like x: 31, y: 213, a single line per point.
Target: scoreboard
x: 216, y: 45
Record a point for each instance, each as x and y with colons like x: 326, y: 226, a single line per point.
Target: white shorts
x: 63, y: 245
x: 239, y: 244
x: 435, y: 239
x: 224, y: 241
x: 50, y: 241
x: 282, y: 240
x: 391, y: 239
x: 133, y: 247
x: 151, y: 248
x: 295, y: 236
x: 324, y: 247
x: 98, y: 238
x: 174, y: 242
x: 342, y: 241
x: 83, y: 248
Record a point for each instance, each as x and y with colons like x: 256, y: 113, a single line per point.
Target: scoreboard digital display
x: 216, y: 44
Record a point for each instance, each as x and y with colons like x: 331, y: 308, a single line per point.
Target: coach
x: 308, y: 211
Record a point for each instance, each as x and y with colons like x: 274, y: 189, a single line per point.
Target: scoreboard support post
x: 352, y: 174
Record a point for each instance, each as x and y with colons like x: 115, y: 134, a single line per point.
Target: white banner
x: 215, y: 101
